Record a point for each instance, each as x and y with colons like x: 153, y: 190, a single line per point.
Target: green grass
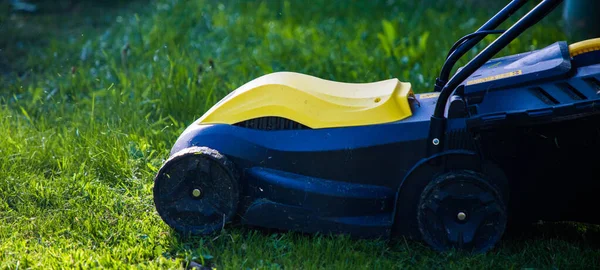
x: 92, y: 99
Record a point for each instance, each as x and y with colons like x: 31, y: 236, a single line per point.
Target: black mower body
x: 543, y: 128
x: 342, y: 180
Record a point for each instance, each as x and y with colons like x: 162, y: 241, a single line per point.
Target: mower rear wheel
x: 461, y: 210
x: 196, y: 191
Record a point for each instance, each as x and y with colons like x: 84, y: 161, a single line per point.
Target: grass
x: 94, y: 95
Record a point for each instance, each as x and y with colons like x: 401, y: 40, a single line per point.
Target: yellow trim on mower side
x: 584, y: 46
x: 313, y: 102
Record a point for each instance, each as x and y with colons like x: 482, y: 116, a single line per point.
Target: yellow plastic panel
x: 584, y: 46
x: 313, y: 102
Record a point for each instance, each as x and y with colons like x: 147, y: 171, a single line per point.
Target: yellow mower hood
x: 313, y: 102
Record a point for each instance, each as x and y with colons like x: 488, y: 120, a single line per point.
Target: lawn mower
x: 504, y: 141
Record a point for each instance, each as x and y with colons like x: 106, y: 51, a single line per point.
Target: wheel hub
x: 461, y: 210
x: 197, y: 192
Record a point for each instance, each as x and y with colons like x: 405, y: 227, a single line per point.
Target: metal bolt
x: 461, y: 216
x: 196, y: 193
x: 436, y: 141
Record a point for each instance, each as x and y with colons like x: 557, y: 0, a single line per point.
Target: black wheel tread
x: 440, y: 179
x: 214, y: 156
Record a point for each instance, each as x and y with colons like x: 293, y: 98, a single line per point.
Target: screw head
x: 461, y: 216
x: 436, y: 141
x: 196, y: 193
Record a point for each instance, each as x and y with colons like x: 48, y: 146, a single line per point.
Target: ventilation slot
x: 271, y: 123
x: 571, y: 91
x: 460, y: 139
x: 593, y: 83
x: 544, y: 96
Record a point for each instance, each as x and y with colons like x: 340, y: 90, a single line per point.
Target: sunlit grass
x: 90, y: 108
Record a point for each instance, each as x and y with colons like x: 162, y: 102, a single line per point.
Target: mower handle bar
x: 469, y: 43
x: 540, y: 11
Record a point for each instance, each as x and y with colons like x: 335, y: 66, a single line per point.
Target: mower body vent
x: 271, y: 123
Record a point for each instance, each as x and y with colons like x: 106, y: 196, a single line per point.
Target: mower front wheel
x: 461, y: 210
x: 196, y: 191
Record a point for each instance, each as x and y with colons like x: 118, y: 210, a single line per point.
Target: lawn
x: 93, y: 96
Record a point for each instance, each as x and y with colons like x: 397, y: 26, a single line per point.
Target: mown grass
x: 92, y: 99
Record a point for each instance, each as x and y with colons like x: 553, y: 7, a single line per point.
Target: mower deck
x: 321, y: 194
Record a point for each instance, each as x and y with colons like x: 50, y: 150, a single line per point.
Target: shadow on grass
x: 25, y: 33
x: 582, y: 235
x: 532, y: 245
x: 63, y: 7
